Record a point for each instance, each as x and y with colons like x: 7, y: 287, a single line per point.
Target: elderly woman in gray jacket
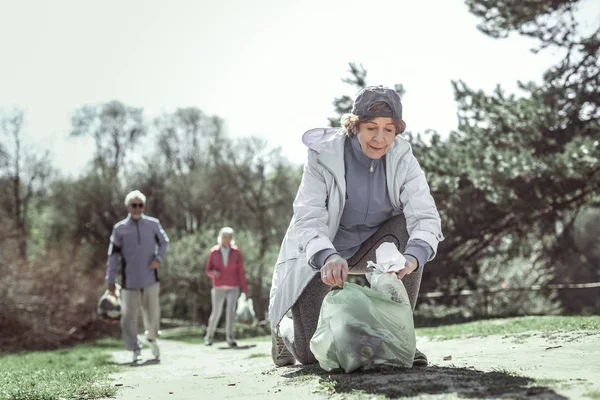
x: 361, y: 187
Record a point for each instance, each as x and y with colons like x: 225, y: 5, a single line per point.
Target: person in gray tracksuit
x: 138, y: 245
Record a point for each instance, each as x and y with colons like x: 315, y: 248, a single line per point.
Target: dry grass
x: 48, y: 304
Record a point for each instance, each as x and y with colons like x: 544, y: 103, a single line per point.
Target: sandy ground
x: 522, y: 366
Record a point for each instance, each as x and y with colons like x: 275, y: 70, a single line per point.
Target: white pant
x: 131, y: 301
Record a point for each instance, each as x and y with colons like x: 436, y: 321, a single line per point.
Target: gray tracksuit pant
x: 131, y: 302
x: 218, y: 296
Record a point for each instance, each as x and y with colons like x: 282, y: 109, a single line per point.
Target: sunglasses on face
x: 137, y: 205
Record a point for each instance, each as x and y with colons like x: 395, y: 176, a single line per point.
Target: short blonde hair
x: 136, y: 194
x: 351, y: 123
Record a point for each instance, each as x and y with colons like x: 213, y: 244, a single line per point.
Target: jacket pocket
x: 287, y: 260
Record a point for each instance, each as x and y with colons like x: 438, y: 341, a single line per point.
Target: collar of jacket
x: 361, y: 157
x: 130, y: 220
x: 329, y: 144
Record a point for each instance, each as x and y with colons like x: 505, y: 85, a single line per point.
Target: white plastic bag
x: 389, y: 259
x: 108, y: 307
x: 245, y: 310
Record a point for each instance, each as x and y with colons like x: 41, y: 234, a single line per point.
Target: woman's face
x: 376, y: 137
x: 226, y: 240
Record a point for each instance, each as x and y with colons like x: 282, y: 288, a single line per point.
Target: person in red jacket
x: 225, y: 266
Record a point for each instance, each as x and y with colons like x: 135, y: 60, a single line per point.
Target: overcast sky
x: 269, y: 68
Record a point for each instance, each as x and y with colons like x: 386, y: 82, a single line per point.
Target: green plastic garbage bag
x: 360, y: 327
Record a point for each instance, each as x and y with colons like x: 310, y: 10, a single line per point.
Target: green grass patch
x: 595, y: 395
x: 512, y: 326
x: 80, y: 372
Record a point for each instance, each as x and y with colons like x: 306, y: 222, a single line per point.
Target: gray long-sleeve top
x: 135, y: 243
x: 367, y: 207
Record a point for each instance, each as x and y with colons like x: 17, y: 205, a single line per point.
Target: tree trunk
x: 22, y: 235
x: 18, y: 213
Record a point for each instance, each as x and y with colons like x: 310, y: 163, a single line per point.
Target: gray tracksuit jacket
x: 135, y: 244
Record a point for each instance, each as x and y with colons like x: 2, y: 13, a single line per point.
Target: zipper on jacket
x: 370, y: 188
x: 137, y: 226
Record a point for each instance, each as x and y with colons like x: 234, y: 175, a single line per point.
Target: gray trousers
x: 305, y: 311
x: 131, y: 302
x: 218, y: 296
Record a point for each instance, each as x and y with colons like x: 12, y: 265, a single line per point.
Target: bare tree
x: 26, y: 171
x: 187, y: 141
x: 115, y: 128
x: 185, y: 137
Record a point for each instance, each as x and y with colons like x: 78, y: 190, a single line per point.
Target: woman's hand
x: 335, y: 271
x: 410, y: 265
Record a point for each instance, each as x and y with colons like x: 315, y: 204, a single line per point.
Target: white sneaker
x: 155, y: 349
x: 137, y: 355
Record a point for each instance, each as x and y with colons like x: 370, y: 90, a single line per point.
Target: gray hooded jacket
x: 320, y: 202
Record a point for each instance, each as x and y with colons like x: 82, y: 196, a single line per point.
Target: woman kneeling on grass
x: 361, y: 187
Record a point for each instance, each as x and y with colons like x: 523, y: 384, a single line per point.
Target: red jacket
x: 231, y: 275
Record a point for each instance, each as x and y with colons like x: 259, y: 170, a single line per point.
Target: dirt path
x: 531, y: 365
